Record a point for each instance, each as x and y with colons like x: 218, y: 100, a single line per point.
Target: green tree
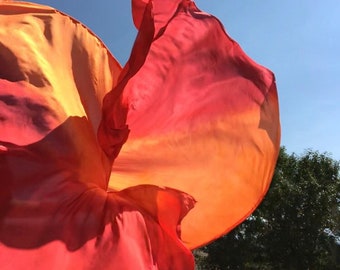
x: 296, y: 226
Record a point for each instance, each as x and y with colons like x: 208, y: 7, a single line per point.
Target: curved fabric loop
x: 162, y: 11
x: 203, y: 118
x: 52, y: 68
x: 138, y: 9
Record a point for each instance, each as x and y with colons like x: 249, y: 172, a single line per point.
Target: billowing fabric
x: 55, y: 211
x: 203, y: 118
x: 100, y: 166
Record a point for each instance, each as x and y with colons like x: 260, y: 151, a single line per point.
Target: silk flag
x: 100, y: 164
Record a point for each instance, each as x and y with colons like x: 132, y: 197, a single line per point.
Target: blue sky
x: 298, y: 40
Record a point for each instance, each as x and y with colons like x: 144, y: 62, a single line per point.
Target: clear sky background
x: 299, y: 40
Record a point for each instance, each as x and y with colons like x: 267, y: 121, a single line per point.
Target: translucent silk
x: 203, y: 118
x: 110, y: 168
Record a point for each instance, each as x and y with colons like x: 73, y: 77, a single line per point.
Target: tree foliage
x: 297, y: 226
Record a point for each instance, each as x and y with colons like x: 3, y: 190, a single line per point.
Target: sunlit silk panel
x: 55, y: 210
x: 203, y: 117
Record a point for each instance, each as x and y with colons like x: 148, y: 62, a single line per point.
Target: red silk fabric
x: 203, y: 118
x: 190, y: 113
x: 55, y: 211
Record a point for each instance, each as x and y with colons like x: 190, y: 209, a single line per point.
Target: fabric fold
x: 203, y: 118
x: 55, y: 210
x: 111, y: 168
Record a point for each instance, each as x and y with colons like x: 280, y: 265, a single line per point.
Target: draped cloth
x: 103, y: 167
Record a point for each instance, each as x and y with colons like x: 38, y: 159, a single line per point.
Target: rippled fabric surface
x: 100, y: 166
x: 203, y: 117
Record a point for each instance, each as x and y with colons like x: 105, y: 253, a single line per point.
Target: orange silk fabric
x: 100, y: 166
x: 203, y: 118
x: 55, y: 211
